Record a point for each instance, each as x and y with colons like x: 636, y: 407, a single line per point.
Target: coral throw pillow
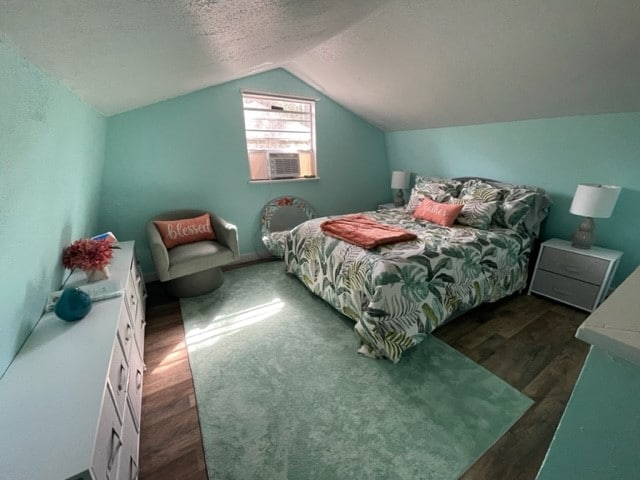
x: 186, y: 230
x: 441, y: 213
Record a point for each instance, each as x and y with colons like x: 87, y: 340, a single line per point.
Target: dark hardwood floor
x: 530, y: 343
x: 527, y: 341
x: 170, y: 440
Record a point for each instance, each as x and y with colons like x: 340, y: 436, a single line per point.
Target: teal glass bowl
x: 73, y: 304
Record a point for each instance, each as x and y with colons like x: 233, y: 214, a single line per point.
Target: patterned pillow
x: 441, y: 213
x: 186, y: 230
x: 514, y: 208
x: 480, y: 201
x: 437, y: 189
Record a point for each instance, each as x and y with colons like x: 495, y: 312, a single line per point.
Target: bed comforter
x: 399, y: 293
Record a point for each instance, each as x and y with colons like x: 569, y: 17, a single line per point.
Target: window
x: 280, y: 132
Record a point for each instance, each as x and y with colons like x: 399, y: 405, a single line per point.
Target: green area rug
x: 282, y: 393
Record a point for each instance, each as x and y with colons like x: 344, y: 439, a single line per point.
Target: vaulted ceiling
x: 400, y: 64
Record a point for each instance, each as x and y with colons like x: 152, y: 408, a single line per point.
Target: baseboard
x: 244, y: 258
x: 247, y: 258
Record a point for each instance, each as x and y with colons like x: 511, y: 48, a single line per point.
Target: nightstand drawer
x: 568, y: 290
x: 582, y: 267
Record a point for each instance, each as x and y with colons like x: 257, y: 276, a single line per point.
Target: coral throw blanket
x: 364, y: 231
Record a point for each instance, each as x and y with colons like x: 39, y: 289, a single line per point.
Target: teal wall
x: 190, y: 152
x: 599, y: 434
x: 555, y: 154
x: 51, y: 159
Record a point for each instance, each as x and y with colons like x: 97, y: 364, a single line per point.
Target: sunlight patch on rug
x: 282, y: 393
x: 223, y: 325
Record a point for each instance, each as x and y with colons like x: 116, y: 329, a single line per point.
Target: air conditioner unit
x: 284, y: 165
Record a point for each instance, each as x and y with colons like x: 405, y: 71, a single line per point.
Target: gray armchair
x: 194, y: 268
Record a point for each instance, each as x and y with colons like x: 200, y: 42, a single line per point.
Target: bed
x: 400, y: 292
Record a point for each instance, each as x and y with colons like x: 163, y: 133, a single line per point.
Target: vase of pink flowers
x: 91, y: 256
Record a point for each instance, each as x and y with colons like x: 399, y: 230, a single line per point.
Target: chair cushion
x: 195, y: 257
x: 186, y: 230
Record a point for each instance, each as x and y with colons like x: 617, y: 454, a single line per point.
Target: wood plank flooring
x: 170, y: 440
x: 527, y: 341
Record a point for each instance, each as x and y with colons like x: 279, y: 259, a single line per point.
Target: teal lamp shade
x: 592, y: 201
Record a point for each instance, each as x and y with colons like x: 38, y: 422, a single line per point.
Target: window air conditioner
x: 284, y: 165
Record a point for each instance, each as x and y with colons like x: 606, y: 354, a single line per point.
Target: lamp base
x: 398, y: 200
x: 584, y: 236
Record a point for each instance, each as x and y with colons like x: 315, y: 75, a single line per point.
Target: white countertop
x: 615, y: 325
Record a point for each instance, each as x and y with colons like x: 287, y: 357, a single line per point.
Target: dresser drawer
x: 581, y: 267
x: 125, y: 330
x: 106, y: 455
x: 138, y: 331
x: 139, y: 281
x: 130, y: 449
x: 135, y: 304
x: 135, y: 385
x: 118, y: 377
x: 131, y: 296
x: 568, y: 290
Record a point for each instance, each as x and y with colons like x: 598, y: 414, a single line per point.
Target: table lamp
x: 592, y: 201
x: 399, y: 180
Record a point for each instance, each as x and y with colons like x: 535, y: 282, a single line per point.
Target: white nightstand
x: 386, y: 206
x: 575, y: 276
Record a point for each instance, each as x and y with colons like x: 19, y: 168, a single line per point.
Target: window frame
x: 258, y: 159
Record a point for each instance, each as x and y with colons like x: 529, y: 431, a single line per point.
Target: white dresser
x: 70, y: 401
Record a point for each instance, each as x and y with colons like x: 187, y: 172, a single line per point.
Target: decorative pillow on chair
x: 437, y: 189
x: 479, y: 202
x: 186, y: 230
x: 441, y: 213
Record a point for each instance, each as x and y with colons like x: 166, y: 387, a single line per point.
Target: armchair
x: 194, y: 268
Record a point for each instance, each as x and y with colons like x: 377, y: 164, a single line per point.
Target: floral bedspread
x: 398, y: 293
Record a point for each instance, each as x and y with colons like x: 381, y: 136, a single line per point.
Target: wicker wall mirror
x: 278, y: 217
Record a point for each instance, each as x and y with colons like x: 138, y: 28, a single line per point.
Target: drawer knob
x: 133, y: 472
x: 560, y: 291
x: 121, y: 380
x: 571, y: 269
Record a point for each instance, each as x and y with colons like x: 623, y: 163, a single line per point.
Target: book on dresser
x: 71, y: 397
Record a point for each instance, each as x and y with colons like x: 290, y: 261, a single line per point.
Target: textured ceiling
x: 400, y: 64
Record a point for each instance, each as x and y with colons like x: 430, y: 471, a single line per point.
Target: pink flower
x: 284, y: 201
x: 87, y: 254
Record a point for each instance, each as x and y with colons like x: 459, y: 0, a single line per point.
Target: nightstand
x: 386, y: 206
x: 575, y: 276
